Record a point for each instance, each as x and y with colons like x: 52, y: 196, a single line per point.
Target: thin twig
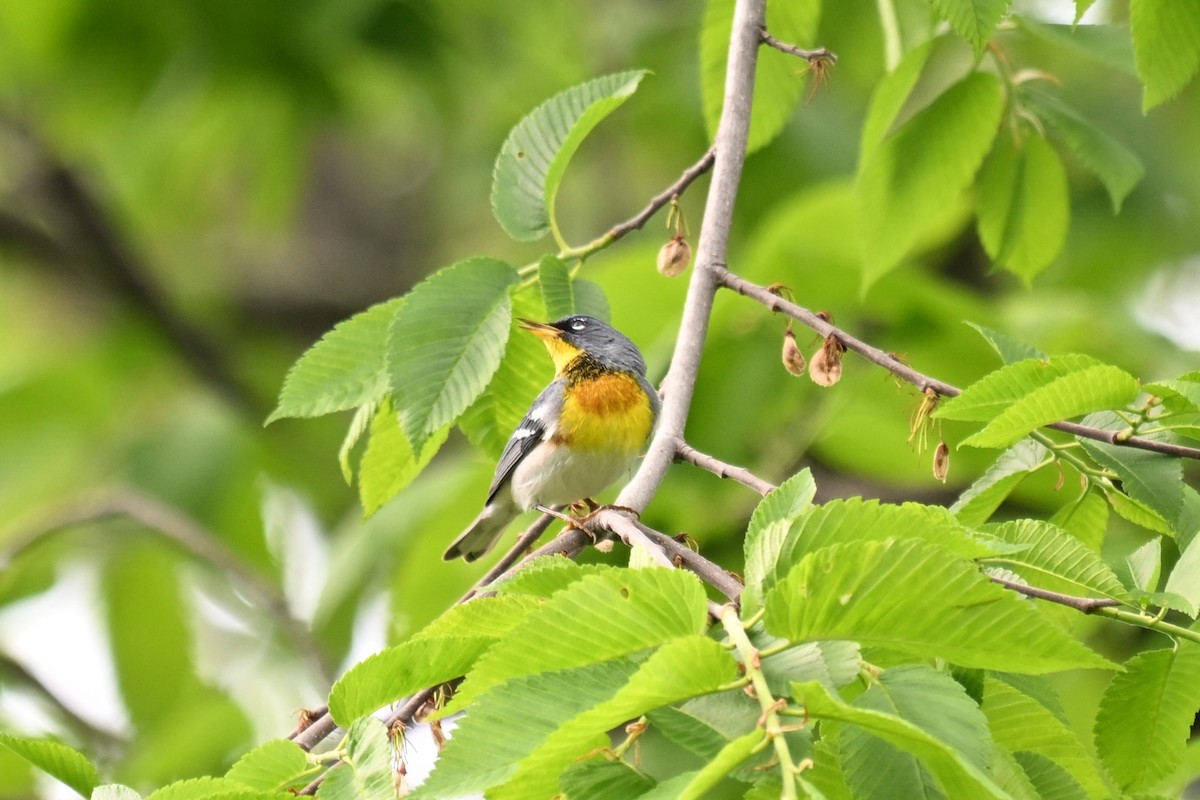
x: 1085, y: 605
x: 710, y: 572
x: 14, y: 675
x: 686, y: 453
x: 658, y: 201
x: 820, y: 54
x: 901, y: 370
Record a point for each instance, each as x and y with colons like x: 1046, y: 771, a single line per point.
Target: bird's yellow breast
x: 607, y: 412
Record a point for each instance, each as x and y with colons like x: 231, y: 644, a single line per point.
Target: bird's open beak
x: 540, y: 329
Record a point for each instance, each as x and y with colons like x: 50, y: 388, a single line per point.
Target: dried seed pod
x: 674, y: 256
x: 825, y: 368
x: 793, y: 359
x: 941, y: 461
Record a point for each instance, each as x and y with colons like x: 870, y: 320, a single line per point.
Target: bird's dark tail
x: 481, y: 536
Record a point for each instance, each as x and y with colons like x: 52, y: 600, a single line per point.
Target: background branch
x: 686, y: 453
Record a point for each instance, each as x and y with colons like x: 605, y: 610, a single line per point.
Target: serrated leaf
x: 1137, y: 512
x: 1073, y: 395
x: 859, y: 520
x: 1184, y: 579
x: 535, y: 155
x: 769, y: 525
x: 1146, y: 716
x: 890, y: 95
x: 927, y: 699
x: 1023, y: 209
x: 1055, y: 560
x: 446, y: 342
x: 399, y: 671
x: 833, y: 664
x: 366, y: 769
x: 1166, y: 47
x: 555, y: 282
x: 778, y: 78
x: 681, y: 668
x: 524, y: 371
x: 1020, y: 724
x: 1150, y: 478
x: 1117, y: 167
x: 997, y: 391
x: 545, y: 576
x: 976, y: 504
x: 598, y: 617
x: 202, y: 788
x: 346, y: 368
x: 956, y: 774
x: 974, y: 20
x: 274, y: 766
x: 388, y: 464
x: 359, y: 425
x: 603, y: 780
x: 696, y: 785
x: 59, y: 761
x: 1009, y: 349
x: 486, y: 616
x: 1179, y: 395
x: 1050, y: 781
x: 905, y: 185
x: 706, y: 724
x: 1144, y: 565
x: 918, y: 598
x: 1086, y: 519
x: 512, y: 719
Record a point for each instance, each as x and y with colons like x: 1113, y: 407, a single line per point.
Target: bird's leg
x: 579, y: 505
x: 572, y: 522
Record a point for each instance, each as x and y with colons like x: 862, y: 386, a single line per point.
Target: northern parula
x: 581, y: 433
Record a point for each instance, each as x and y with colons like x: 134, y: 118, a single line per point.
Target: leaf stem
x: 893, y: 47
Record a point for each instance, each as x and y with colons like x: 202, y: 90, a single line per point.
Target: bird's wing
x: 540, y: 424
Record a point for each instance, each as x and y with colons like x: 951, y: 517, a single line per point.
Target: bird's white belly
x: 557, y: 475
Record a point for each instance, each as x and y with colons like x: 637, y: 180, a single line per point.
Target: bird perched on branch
x: 581, y: 433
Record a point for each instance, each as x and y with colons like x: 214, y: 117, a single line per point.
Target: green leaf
x: 974, y: 20
x: 446, y: 343
x: 389, y: 465
x: 1086, y: 519
x: 1166, y: 47
x: 890, y: 95
x: 1144, y: 565
x: 1117, y: 167
x: 399, y: 671
x: 346, y: 368
x: 905, y: 186
x: 63, y: 763
x: 275, y: 766
x: 1054, y: 559
x: 958, y: 776
x: 778, y: 78
x: 535, y: 155
x: 545, y: 576
x: 1136, y: 511
x: 598, y: 617
x: 558, y: 293
x: 603, y: 780
x: 976, y: 504
x: 366, y: 769
x: 696, y: 785
x: 706, y: 724
x: 524, y: 371
x: 1090, y: 389
x: 681, y: 668
x: 769, y: 525
x: 1049, y: 780
x: 208, y: 787
x: 997, y: 391
x: 918, y: 598
x: 1184, y: 580
x: 359, y: 425
x: 1146, y: 716
x: 1022, y: 725
x: 512, y: 719
x: 1023, y: 209
x: 1009, y: 349
x: 833, y: 664
x: 1150, y: 478
x: 591, y: 300
x: 933, y: 702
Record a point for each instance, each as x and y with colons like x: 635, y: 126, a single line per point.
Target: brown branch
x: 1084, y: 604
x: 658, y: 201
x: 918, y: 379
x: 708, y: 571
x: 820, y: 54
x: 684, y: 452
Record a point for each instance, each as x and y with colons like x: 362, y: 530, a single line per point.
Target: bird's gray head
x: 604, y: 343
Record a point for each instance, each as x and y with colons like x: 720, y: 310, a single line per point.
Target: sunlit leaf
x: 535, y: 155
x: 1166, y: 46
x: 1146, y: 715
x: 1086, y: 519
x: 976, y: 504
x: 1184, y: 579
x: 992, y: 394
x: 57, y: 760
x: 974, y: 20
x: 446, y: 342
x: 1055, y: 560
x: 365, y: 771
x: 919, y: 598
x: 769, y: 525
x: 556, y: 284
x: 274, y: 766
x: 1009, y: 349
x: 389, y: 465
x: 905, y: 185
x: 346, y: 368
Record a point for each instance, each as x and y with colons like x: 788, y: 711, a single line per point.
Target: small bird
x: 581, y: 433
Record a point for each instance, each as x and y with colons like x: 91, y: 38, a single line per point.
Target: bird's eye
x: 578, y: 325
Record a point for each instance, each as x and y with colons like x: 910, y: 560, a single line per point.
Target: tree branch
x: 820, y: 54
x: 686, y: 453
x: 1086, y: 605
x: 901, y: 370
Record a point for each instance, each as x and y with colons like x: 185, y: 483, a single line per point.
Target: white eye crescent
x: 578, y: 325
